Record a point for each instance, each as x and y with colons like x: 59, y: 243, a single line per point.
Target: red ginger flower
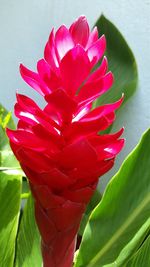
x: 59, y: 147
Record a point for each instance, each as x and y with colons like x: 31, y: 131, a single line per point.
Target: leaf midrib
x: 117, y: 235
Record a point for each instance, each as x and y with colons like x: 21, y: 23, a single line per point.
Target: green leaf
x: 121, y: 62
x: 7, y: 158
x: 28, y: 243
x: 132, y: 246
x: 6, y: 118
x: 123, y: 210
x: 10, y: 191
x: 92, y: 204
x: 142, y: 256
x: 5, y: 121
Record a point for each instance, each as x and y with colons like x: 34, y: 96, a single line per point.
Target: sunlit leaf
x: 10, y: 191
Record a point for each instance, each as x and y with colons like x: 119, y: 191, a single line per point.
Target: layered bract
x: 61, y: 148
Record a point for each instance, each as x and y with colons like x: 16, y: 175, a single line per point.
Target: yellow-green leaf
x: 10, y: 191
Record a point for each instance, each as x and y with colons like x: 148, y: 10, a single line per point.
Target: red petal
x: 23, y: 125
x: 82, y: 195
x: 107, y: 165
x: 74, y: 68
x: 46, y: 226
x: 54, y: 114
x: 55, y: 179
x: 91, y: 90
x: 86, y: 178
x: 80, y: 31
x: 50, y: 52
x: 96, y: 51
x: 63, y: 41
x: 92, y: 37
x: 34, y: 160
x: 74, y: 155
x: 47, y: 133
x: 31, y: 120
x: 70, y: 214
x: 24, y: 115
x: 109, y: 151
x: 65, y: 244
x: 26, y: 109
x: 101, y: 71
x: 43, y: 68
x: 102, y: 111
x: 33, y: 79
x: 46, y: 199
x: 105, y: 139
x: 81, y: 129
x: 24, y: 138
x: 81, y: 112
x: 51, y: 79
x: 62, y: 103
x: 97, y: 120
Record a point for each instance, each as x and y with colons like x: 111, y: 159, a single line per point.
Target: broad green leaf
x: 132, y: 246
x: 10, y: 191
x: 142, y: 256
x: 121, y: 62
x: 123, y: 210
x: 28, y: 243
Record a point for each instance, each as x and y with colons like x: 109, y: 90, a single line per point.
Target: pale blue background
x: 24, y: 29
